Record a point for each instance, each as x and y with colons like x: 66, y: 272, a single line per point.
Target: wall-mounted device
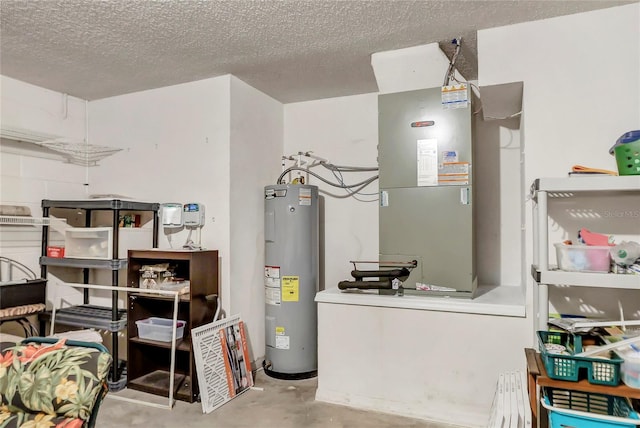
x: 193, y: 214
x: 171, y: 215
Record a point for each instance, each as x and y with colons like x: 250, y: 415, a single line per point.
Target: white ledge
x: 491, y: 300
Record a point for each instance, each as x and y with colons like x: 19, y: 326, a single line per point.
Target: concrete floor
x: 280, y: 404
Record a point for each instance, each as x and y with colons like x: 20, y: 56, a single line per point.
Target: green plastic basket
x: 628, y: 158
x: 567, y: 367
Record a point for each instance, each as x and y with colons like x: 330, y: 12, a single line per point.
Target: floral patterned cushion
x: 36, y: 420
x: 44, y: 385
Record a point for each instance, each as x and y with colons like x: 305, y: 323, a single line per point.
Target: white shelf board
x: 589, y: 183
x: 13, y: 220
x: 491, y: 300
x: 587, y: 279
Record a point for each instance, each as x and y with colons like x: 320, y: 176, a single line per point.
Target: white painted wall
x: 27, y: 174
x: 256, y: 149
x: 442, y: 366
x: 30, y: 107
x: 216, y: 141
x: 567, y: 64
x: 175, y: 143
x: 581, y: 78
x: 189, y: 142
x: 411, y: 362
x: 27, y: 179
x: 344, y: 131
x: 582, y: 84
x: 439, y: 366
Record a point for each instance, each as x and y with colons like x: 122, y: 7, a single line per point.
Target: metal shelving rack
x: 112, y: 319
x: 544, y: 189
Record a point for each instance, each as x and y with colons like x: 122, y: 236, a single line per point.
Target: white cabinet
x: 620, y: 191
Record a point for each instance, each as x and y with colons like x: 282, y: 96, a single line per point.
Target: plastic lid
x: 627, y: 137
x: 629, y: 354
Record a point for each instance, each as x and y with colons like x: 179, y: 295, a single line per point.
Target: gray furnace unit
x: 426, y: 191
x: 291, y: 280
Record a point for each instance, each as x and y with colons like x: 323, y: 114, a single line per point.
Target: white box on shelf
x: 88, y: 242
x: 583, y: 258
x: 630, y: 368
x: 97, y: 242
x: 159, y: 329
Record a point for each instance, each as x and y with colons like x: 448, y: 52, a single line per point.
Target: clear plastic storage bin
x: 583, y: 258
x: 88, y: 242
x: 630, y: 370
x: 97, y: 242
x: 159, y: 329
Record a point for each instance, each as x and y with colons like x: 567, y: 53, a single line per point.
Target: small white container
x: 159, y: 329
x: 97, y: 242
x: 630, y: 368
x: 88, y: 242
x: 583, y: 258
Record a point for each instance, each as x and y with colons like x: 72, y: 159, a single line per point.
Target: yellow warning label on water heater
x: 290, y: 288
x: 279, y: 331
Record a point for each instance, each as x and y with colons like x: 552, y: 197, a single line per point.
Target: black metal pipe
x: 45, y: 243
x: 85, y: 271
x: 115, y: 372
x: 366, y: 285
x: 390, y: 273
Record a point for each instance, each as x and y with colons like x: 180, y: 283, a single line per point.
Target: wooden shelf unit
x: 148, y: 361
x: 537, y: 378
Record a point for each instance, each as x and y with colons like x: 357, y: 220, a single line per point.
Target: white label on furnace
x: 272, y: 296
x: 453, y: 174
x: 427, y: 162
x: 449, y: 156
x: 304, y: 197
x: 455, y: 96
x: 282, y: 342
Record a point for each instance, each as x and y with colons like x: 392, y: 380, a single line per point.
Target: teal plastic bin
x: 598, y: 371
x: 567, y: 408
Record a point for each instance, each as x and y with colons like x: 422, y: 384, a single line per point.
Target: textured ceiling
x: 291, y: 50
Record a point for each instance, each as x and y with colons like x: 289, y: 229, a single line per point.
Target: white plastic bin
x: 97, y: 242
x: 159, y: 329
x: 88, y: 242
x: 583, y: 258
x: 630, y: 369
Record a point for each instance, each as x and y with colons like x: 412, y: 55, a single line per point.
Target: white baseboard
x: 440, y: 412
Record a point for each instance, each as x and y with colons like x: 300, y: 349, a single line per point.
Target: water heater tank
x: 291, y: 280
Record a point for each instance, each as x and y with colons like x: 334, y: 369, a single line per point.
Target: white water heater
x: 291, y: 280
